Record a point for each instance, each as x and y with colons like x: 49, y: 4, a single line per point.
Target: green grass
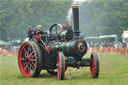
x: 113, y: 71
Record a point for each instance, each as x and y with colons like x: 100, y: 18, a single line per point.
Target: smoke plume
x: 69, y: 15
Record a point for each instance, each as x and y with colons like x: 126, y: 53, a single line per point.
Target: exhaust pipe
x: 75, y: 9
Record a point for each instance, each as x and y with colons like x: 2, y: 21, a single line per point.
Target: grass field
x: 113, y: 71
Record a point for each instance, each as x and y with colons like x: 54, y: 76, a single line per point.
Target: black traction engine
x: 57, y: 50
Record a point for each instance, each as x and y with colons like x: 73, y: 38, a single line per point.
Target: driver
x: 38, y: 29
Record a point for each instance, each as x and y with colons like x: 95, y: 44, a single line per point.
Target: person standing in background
x: 127, y: 48
x: 120, y: 45
x: 127, y: 44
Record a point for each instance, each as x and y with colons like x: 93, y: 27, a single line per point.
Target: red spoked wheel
x: 94, y: 68
x: 29, y: 57
x: 61, y: 65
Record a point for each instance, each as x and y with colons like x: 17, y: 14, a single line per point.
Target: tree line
x: 104, y: 17
x: 97, y: 17
x: 15, y: 16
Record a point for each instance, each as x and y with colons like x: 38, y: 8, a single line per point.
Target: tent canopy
x: 91, y: 38
x: 102, y: 37
x: 107, y: 36
x: 4, y: 43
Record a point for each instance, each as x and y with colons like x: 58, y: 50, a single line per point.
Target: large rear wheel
x: 29, y: 59
x: 94, y: 68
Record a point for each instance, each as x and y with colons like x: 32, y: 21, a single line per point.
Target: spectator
x: 0, y: 51
x: 124, y: 45
x: 96, y: 45
x: 115, y: 45
x: 127, y: 44
x: 127, y: 48
x: 105, y: 44
x: 120, y: 45
x: 91, y: 45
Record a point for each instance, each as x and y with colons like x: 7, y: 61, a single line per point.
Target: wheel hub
x: 26, y: 59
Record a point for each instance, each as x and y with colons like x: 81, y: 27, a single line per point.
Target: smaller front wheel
x: 94, y: 68
x: 61, y: 65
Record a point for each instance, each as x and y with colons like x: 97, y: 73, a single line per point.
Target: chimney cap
x: 74, y: 5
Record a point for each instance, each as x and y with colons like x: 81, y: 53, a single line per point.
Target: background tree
x: 97, y: 17
x: 104, y: 17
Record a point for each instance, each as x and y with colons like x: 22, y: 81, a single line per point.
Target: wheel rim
x: 27, y: 60
x: 93, y: 65
x: 59, y: 65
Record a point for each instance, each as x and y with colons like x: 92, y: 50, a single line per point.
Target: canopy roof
x: 101, y: 37
x: 4, y: 43
x: 92, y: 37
x: 107, y: 36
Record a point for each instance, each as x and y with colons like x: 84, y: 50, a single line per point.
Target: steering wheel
x: 55, y: 28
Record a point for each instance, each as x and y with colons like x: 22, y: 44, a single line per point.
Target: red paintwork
x: 93, y: 66
x: 63, y: 27
x: 48, y: 49
x: 59, y: 65
x: 37, y: 37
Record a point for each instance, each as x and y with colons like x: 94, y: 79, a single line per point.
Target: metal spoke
x: 25, y: 63
x: 26, y: 66
x: 31, y: 66
x: 31, y: 53
x: 25, y: 50
x: 29, y: 49
x: 26, y: 53
x: 32, y: 60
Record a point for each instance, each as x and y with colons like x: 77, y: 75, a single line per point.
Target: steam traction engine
x: 56, y: 50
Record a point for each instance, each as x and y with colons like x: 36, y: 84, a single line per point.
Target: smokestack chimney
x: 75, y: 9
